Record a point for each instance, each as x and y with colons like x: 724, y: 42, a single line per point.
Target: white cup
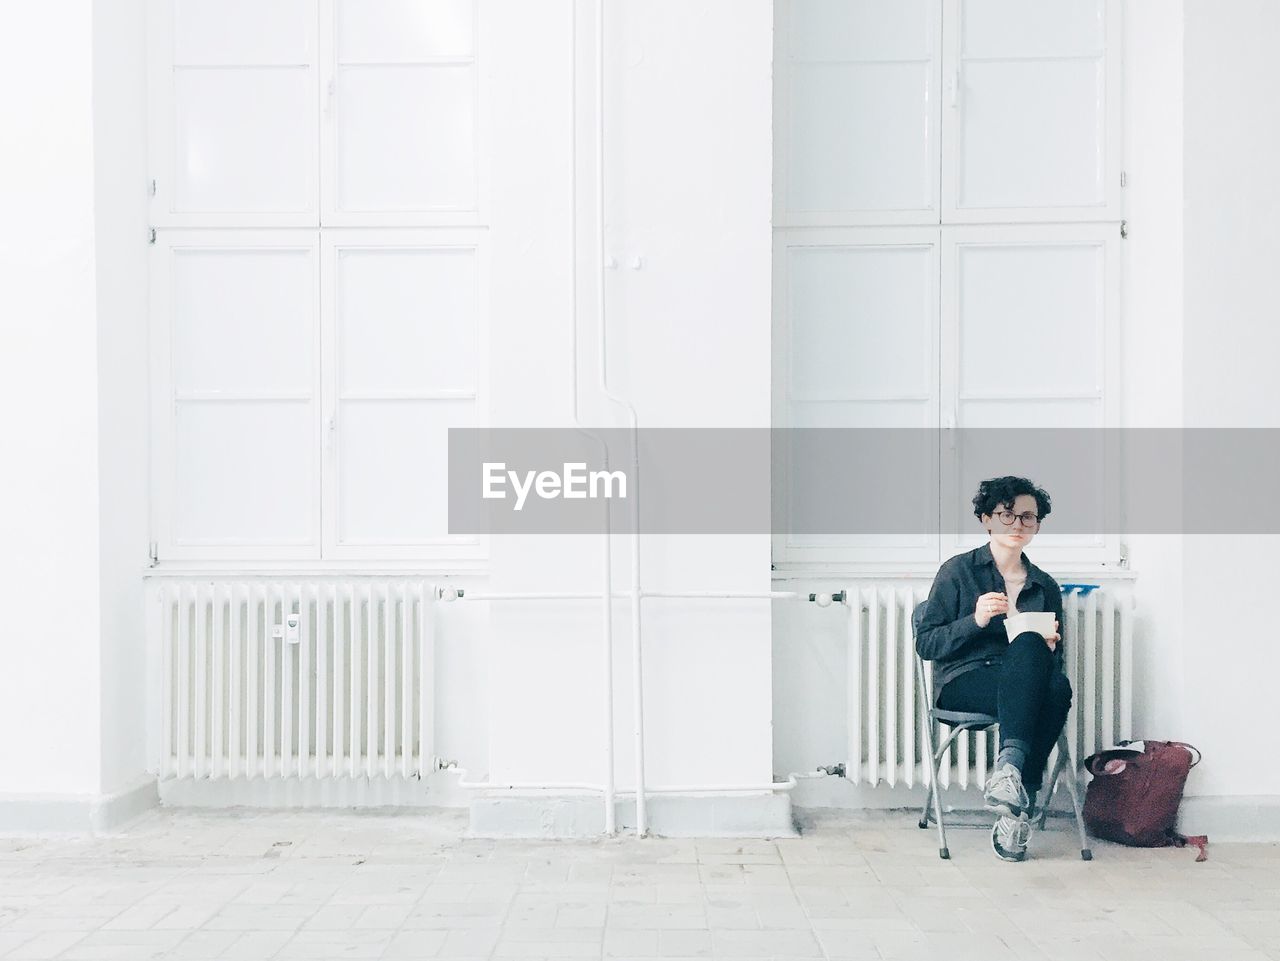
x: 1038, y: 621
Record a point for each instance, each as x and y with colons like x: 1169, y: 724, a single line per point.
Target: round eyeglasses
x: 1028, y: 518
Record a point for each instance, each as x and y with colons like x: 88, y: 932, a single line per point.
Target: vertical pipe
x: 872, y: 703
x: 219, y: 713
x: 406, y: 681
x: 1090, y: 700
x: 185, y: 606
x: 323, y: 635
x: 602, y: 355
x: 339, y: 681
x: 235, y: 719
x: 356, y: 685
x: 926, y: 774
x: 305, y: 593
x: 981, y: 761
x: 1108, y: 668
x: 388, y: 680
x: 255, y: 659
x: 908, y: 691
x: 288, y: 671
x: 271, y: 596
x: 889, y: 693
x: 1071, y: 658
x: 200, y: 702
x: 606, y: 670
x: 1126, y: 668
x: 167, y: 641
x: 371, y: 678
x: 944, y: 762
x: 853, y: 713
x: 426, y: 680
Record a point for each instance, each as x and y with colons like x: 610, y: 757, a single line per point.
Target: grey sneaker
x: 1004, y: 793
x: 1009, y: 838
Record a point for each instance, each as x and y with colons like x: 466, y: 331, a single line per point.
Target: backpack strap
x: 1199, y: 841
x: 1195, y: 751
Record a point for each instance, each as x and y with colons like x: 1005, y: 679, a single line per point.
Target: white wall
x: 1202, y: 139
x: 1152, y: 334
x: 120, y: 138
x: 72, y: 400
x: 1232, y: 200
x: 49, y: 565
x: 692, y: 197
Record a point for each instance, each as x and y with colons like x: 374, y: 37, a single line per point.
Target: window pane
x: 861, y: 322
x: 1018, y: 28
x: 861, y: 30
x: 244, y: 139
x: 245, y: 473
x: 404, y: 31
x: 1031, y: 319
x: 243, y: 31
x: 407, y: 319
x: 392, y: 481
x: 859, y: 137
x: 406, y: 138
x: 243, y: 320
x: 1033, y: 134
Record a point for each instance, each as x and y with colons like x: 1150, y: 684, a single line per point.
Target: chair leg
x: 1053, y: 784
x: 928, y: 800
x: 935, y: 792
x: 1073, y: 785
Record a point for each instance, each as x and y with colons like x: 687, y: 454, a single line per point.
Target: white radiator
x: 341, y: 689
x: 886, y: 738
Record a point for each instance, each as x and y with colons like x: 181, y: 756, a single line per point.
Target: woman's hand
x: 989, y: 605
x: 1053, y: 639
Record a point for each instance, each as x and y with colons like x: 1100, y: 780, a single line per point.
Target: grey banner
x: 834, y: 482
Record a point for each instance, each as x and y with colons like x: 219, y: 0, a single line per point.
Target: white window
x: 318, y: 312
x: 948, y: 175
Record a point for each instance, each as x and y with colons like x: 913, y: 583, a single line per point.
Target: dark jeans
x: 1025, y: 691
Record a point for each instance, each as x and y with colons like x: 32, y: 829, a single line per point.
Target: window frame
x: 163, y: 402
x: 1106, y: 552
x: 320, y: 229
x: 449, y: 547
x: 784, y: 70
x: 1112, y: 161
x: 952, y: 225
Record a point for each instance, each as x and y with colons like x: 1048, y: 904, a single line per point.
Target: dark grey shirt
x: 952, y: 639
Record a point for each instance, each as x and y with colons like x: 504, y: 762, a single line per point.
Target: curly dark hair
x: 1005, y: 490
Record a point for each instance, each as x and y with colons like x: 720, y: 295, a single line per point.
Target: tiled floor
x: 320, y: 885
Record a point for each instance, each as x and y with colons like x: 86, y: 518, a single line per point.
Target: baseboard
x: 538, y: 815
x: 1232, y: 818
x: 306, y: 792
x: 75, y: 814
x: 832, y: 791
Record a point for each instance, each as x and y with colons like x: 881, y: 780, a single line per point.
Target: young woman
x: 978, y: 668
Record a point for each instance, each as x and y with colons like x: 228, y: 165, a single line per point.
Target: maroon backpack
x: 1133, y: 798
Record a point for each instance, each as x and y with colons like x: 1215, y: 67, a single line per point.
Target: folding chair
x: 960, y: 722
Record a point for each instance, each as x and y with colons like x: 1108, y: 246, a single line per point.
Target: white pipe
x: 556, y: 596
x: 602, y: 371
x: 603, y: 385
x: 606, y: 595
x: 462, y: 781
x: 777, y: 595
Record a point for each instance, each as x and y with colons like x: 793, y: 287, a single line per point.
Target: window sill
x: 1067, y: 574
x: 435, y: 568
